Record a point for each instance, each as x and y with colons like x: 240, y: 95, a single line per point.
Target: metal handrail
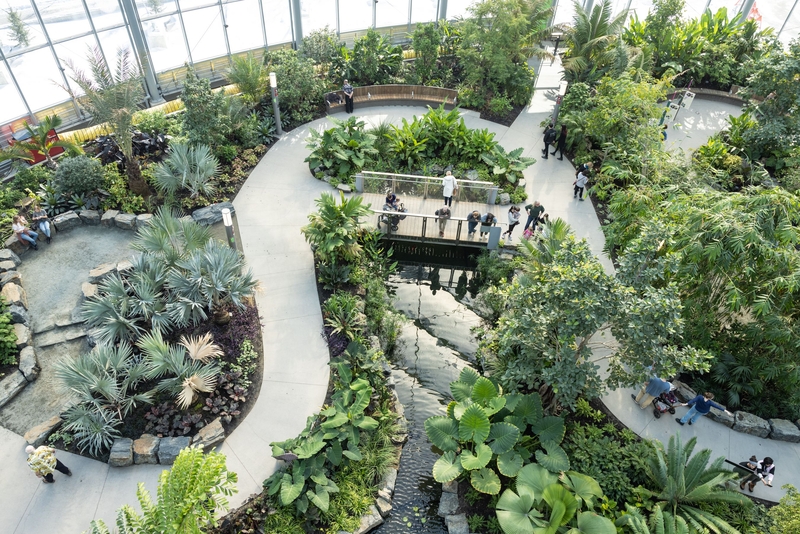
x: 416, y: 177
x: 424, y: 217
x: 479, y: 188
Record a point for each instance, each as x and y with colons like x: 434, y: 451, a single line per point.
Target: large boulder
x: 126, y: 221
x: 121, y: 453
x: 10, y: 276
x: 19, y: 314
x: 143, y: 219
x: 37, y: 435
x: 67, y: 221
x: 369, y: 521
x: 90, y: 217
x: 683, y: 391
x: 108, y: 217
x: 15, y: 245
x: 211, y: 214
x: 751, y: 424
x: 721, y: 417
x: 10, y: 386
x: 210, y: 435
x: 145, y: 449
x: 169, y: 448
x: 28, y: 365
x: 23, y: 335
x: 448, y: 504
x: 9, y: 255
x: 784, y: 430
x: 14, y: 294
x: 505, y: 199
x: 100, y: 272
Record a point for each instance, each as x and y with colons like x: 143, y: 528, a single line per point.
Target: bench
x: 393, y: 95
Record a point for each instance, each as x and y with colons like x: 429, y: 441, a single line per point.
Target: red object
x: 38, y: 157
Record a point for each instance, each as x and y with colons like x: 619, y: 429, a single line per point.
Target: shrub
x: 8, y: 339
x: 500, y: 105
x: 31, y: 178
x: 301, y: 91
x: 204, y: 119
x: 345, y: 314
x: 342, y: 150
x: 80, y: 175
x: 119, y: 195
x: 250, y: 77
x: 226, y: 153
x: 151, y: 122
x: 190, y: 168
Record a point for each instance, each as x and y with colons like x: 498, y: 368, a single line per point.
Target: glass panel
x: 189, y: 4
x: 565, y: 12
x: 391, y: 13
x: 105, y: 13
x: 353, y: 15
x: 39, y: 78
x: 317, y: 14
x: 640, y: 7
x: 204, y: 31
x: 113, y: 40
x: 244, y: 25
x: 424, y: 10
x: 152, y: 8
x: 278, y: 20
x: 165, y: 41
x: 20, y: 29
x: 458, y: 8
x: 64, y: 18
x: 13, y: 106
x: 73, y: 54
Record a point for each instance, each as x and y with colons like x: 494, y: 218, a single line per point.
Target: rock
x: 450, y: 487
x: 211, y: 214
x: 23, y: 335
x: 64, y: 320
x: 90, y: 217
x: 471, y: 175
x: 448, y: 504
x: 751, y: 424
x: 721, y: 417
x: 7, y: 266
x: 124, y: 266
x: 28, y: 365
x: 97, y: 274
x: 683, y: 391
x: 521, y: 182
x: 210, y: 435
x: 169, y: 448
x: 457, y: 524
x: 19, y: 314
x: 88, y: 290
x: 784, y: 430
x: 15, y: 245
x: 145, y: 449
x: 143, y: 219
x: 448, y: 168
x: 121, y: 453
x: 9, y: 255
x: 14, y: 294
x: 126, y: 221
x: 384, y: 507
x: 505, y: 199
x: 370, y: 521
x: 10, y: 386
x: 67, y: 221
x: 108, y: 217
x: 344, y: 187
x: 93, y: 337
x: 10, y: 276
x: 37, y: 435
x: 388, y: 481
x: 326, y: 179
x: 44, y: 324
x: 54, y: 337
x: 436, y: 170
x: 385, y: 495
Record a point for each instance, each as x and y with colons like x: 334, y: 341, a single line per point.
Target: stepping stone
x: 54, y: 337
x: 44, y: 324
x: 97, y: 274
x: 448, y: 504
x: 10, y: 386
x: 37, y: 435
x: 457, y: 524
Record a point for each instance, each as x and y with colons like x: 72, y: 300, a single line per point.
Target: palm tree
x: 250, y: 76
x: 333, y: 230
x: 114, y: 98
x: 542, y: 247
x: 38, y: 142
x: 187, y: 167
x: 169, y: 239
x: 687, y: 481
x: 591, y: 41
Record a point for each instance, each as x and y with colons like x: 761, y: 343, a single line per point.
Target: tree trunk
x: 136, y: 183
x: 221, y: 315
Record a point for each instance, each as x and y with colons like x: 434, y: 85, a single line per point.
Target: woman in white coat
x: 450, y: 185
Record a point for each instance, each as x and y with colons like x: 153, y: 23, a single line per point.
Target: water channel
x: 435, y: 344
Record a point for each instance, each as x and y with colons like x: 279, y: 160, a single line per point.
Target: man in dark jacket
x: 550, y: 135
x: 765, y: 470
x: 699, y: 406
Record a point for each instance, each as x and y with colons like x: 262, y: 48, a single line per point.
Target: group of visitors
x: 558, y: 140
x: 24, y: 233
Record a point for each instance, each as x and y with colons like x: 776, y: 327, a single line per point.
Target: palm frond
x: 201, y: 348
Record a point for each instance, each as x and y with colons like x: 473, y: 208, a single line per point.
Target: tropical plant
x: 345, y: 314
x: 8, y: 336
x: 507, y: 166
x: 204, y: 119
x: 249, y: 75
x: 592, y: 38
x: 169, y: 238
x: 333, y: 230
x: 425, y: 41
x: 114, y: 97
x: 38, y: 142
x: 321, y: 46
x: 660, y: 522
x: 202, y: 348
x: 187, y: 167
x: 374, y: 59
x: 409, y: 143
x: 301, y: 90
x: 342, y: 150
x: 686, y: 481
x: 190, y: 495
x: 17, y: 29
x: 79, y: 176
x: 787, y: 514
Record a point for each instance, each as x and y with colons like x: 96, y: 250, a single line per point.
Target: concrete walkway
x: 271, y: 209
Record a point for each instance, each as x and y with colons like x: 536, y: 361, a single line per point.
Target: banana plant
x: 486, y: 432
x: 507, y: 165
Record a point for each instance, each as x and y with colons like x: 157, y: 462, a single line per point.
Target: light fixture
x: 273, y: 80
x: 276, y: 110
x: 227, y: 220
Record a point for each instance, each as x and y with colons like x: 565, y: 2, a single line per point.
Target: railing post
x: 359, y: 183
x: 492, y: 195
x: 424, y: 227
x: 425, y: 192
x: 458, y: 232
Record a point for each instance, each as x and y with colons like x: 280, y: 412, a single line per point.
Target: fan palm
x: 687, y: 481
x: 542, y: 248
x: 591, y: 42
x: 187, y: 167
x: 38, y: 142
x: 201, y: 348
x: 114, y: 98
x: 169, y: 239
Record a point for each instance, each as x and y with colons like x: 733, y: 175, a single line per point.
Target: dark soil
x: 505, y: 120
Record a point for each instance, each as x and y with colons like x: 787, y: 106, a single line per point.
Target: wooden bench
x: 393, y: 95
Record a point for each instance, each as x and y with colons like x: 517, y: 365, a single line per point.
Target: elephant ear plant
x: 486, y: 432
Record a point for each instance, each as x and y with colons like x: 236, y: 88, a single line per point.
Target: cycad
x: 687, y: 481
x: 591, y: 39
x: 187, y: 167
x: 38, y: 142
x: 660, y: 522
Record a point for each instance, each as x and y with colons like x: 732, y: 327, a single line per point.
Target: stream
x: 432, y: 349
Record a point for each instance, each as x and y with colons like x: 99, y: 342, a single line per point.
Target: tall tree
x: 114, y: 97
x: 592, y: 39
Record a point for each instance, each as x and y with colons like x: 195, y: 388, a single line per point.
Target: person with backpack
x: 561, y: 143
x: 550, y: 135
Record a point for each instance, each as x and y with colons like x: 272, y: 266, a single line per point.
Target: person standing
x: 549, y: 136
x: 472, y: 222
x: 580, y: 185
x: 43, y: 462
x: 40, y: 219
x: 765, y: 471
x: 450, y: 185
x: 347, y: 89
x: 650, y: 390
x: 561, y: 143
x: 534, y: 211
x: 513, y: 221
x: 699, y: 406
x: 487, y: 221
x: 23, y: 233
x: 443, y: 215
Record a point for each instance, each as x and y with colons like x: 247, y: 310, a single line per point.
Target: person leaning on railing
x: 443, y: 215
x: 487, y: 220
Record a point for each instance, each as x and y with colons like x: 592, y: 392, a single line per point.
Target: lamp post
x: 273, y: 83
x: 228, y: 222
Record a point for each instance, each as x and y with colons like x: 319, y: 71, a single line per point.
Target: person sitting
x: 391, y: 199
x: 765, y: 470
x: 41, y: 220
x: 23, y: 233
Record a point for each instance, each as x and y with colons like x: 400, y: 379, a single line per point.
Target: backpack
x: 550, y: 137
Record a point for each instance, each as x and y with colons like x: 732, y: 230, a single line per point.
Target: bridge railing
x: 425, y: 227
x: 424, y: 186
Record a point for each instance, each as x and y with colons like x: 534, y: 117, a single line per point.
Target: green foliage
x: 321, y: 46
x: 787, y: 514
x: 425, y: 41
x: 333, y: 230
x: 8, y: 338
x: 500, y: 105
x: 17, y: 29
x: 77, y: 176
x: 31, y: 178
x: 157, y: 122
x: 374, y: 59
x: 300, y: 90
x: 342, y: 150
x: 38, y: 142
x: 345, y: 314
x: 204, y: 120
x: 507, y: 166
x: 593, y: 43
x: 120, y: 196
x: 190, y: 495
x: 250, y: 76
x: 187, y: 167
